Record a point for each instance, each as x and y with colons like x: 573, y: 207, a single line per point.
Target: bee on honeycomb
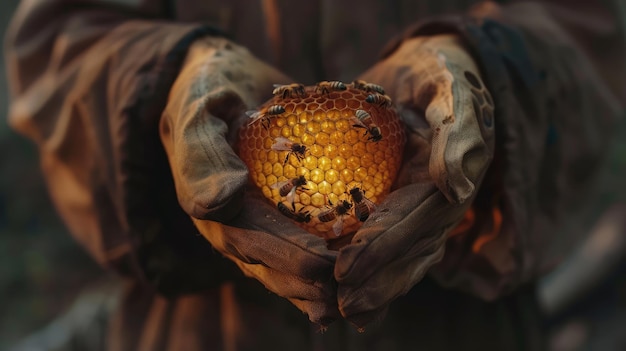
x: 333, y: 156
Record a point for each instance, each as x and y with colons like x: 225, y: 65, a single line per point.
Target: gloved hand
x: 449, y: 117
x: 218, y: 83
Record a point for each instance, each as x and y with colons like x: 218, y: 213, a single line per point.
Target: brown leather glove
x: 218, y: 83
x: 449, y: 118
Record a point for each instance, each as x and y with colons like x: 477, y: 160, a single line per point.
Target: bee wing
x: 282, y: 144
x: 323, y: 214
x: 278, y: 85
x: 338, y: 226
x: 291, y: 197
x: 357, y: 122
x: 253, y: 113
x: 254, y: 116
x: 279, y: 185
x: 370, y: 204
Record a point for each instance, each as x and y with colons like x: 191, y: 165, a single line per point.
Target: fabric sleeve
x: 556, y: 73
x: 89, y: 81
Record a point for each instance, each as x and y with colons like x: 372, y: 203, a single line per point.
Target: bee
x: 363, y: 207
x: 336, y: 213
x: 288, y: 188
x: 362, y: 119
x: 368, y: 87
x: 326, y: 87
x: 300, y: 217
x: 265, y: 115
x: 284, y: 144
x: 378, y: 99
x: 289, y: 90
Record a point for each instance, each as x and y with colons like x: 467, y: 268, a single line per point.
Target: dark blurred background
x: 43, y: 271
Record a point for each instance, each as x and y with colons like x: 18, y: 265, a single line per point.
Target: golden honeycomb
x: 339, y: 154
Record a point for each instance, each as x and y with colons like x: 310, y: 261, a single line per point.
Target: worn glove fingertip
x: 221, y: 197
x: 322, y: 313
x: 363, y: 319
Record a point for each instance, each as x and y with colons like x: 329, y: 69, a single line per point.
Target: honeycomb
x: 306, y: 151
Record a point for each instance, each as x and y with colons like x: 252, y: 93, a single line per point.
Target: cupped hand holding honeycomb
x: 324, y: 154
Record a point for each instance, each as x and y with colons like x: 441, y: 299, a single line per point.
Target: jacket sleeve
x: 556, y: 72
x: 89, y: 80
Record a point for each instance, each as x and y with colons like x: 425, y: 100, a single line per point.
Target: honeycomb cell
x: 352, y: 136
x: 313, y: 128
x: 271, y: 179
x: 359, y: 149
x: 279, y: 121
x: 339, y: 188
x: 331, y: 176
x: 347, y: 175
x: 292, y: 120
x: 317, y: 200
x: 304, y: 199
x: 367, y: 160
x: 379, y: 157
x: 319, y: 116
x: 345, y: 150
x: 338, y: 155
x: 297, y: 130
x: 331, y: 151
x: 258, y: 166
x: 308, y: 139
x: 324, y: 188
x: 317, y: 175
x: 322, y: 139
x: 343, y: 126
x: 275, y: 132
x: 378, y: 178
x: 360, y: 175
x: 324, y: 163
x: 310, y: 162
x: 260, y: 178
x: 305, y: 117
x: 272, y: 156
x: 267, y: 192
x: 336, y: 138
x: 371, y: 148
x: 289, y: 107
x: 311, y: 187
x: 285, y: 131
x: 289, y: 171
x: 328, y: 127
x: 354, y: 104
x: 316, y: 150
x: 353, y: 162
x: 339, y: 163
x: 277, y: 169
